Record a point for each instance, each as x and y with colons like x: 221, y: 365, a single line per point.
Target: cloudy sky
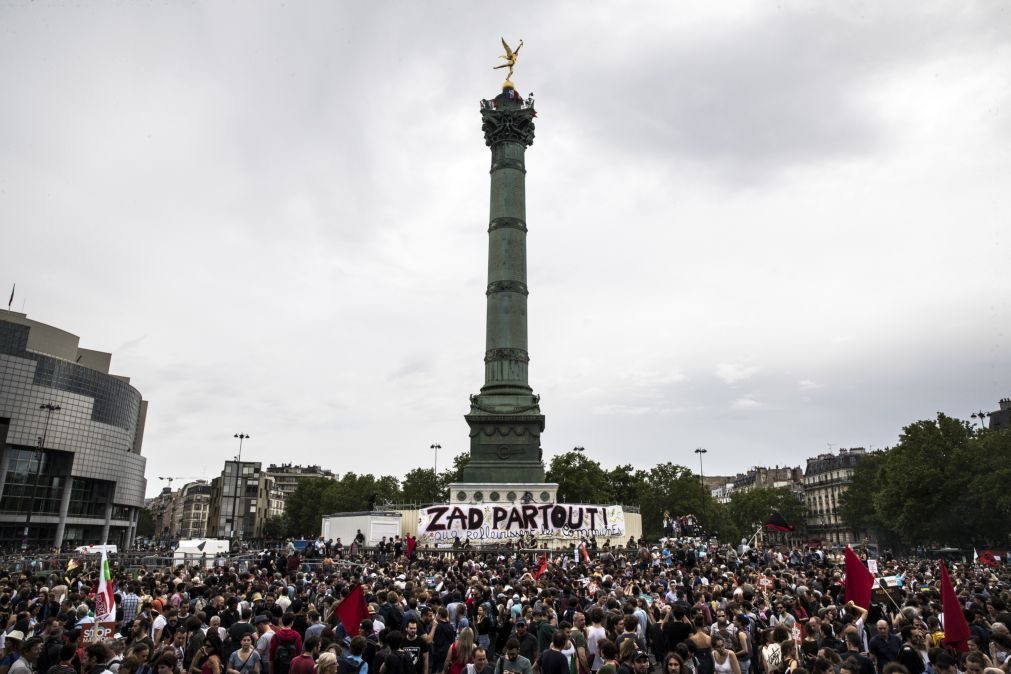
x: 760, y: 228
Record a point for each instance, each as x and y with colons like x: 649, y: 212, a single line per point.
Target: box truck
x: 374, y: 526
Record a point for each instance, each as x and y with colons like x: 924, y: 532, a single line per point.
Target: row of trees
x: 665, y: 487
x: 944, y: 483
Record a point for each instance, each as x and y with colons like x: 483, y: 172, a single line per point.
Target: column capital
x: 508, y: 120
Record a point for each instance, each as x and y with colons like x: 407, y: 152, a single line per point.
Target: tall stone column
x: 505, y: 418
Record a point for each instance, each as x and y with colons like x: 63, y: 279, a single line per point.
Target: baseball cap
x: 641, y: 655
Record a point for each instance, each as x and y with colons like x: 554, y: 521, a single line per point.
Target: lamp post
x: 579, y: 449
x: 49, y: 408
x: 435, y: 468
x: 702, y: 480
x: 980, y: 415
x: 235, y: 496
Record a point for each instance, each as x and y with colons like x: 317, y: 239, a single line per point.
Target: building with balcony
x: 70, y: 441
x: 759, y: 477
x: 193, y: 510
x: 825, y: 480
x: 287, y: 476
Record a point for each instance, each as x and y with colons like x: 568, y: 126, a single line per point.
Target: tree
x: 857, y: 505
x: 420, y: 486
x: 145, y: 523
x: 451, y: 475
x: 275, y: 527
x: 942, y: 484
x: 750, y: 509
x: 304, y: 508
x: 669, y: 487
x: 580, y: 479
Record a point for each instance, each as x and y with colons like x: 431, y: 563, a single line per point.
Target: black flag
x: 777, y: 522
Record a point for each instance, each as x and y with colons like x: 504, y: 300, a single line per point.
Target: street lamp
x: 702, y: 480
x: 49, y: 408
x: 579, y: 449
x: 435, y: 469
x: 235, y: 496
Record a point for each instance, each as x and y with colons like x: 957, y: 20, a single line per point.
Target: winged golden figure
x: 510, y: 58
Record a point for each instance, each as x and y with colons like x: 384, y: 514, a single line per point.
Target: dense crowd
x: 682, y: 606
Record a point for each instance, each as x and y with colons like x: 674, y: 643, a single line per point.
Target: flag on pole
x: 975, y: 557
x: 859, y: 581
x: 105, y: 601
x: 777, y: 522
x: 989, y: 559
x: 352, y: 611
x: 583, y: 552
x: 956, y: 628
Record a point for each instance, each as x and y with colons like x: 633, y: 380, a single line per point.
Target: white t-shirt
x: 157, y: 626
x: 593, y: 637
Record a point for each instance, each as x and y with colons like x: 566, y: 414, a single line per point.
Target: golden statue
x: 510, y: 62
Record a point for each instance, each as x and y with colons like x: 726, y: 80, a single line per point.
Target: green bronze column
x: 505, y: 419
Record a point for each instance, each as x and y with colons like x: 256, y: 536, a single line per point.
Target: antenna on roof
x: 11, y: 300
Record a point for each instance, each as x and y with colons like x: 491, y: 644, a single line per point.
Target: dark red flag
x: 859, y: 581
x: 777, y: 522
x: 988, y: 558
x: 956, y: 628
x: 352, y: 611
x: 543, y: 567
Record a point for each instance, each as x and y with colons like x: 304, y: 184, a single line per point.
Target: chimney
x: 1005, y: 404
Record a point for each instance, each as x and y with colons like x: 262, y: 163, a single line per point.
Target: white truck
x: 374, y: 526
x: 192, y: 551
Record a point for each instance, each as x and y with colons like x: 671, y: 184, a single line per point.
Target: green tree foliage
x: 942, y: 484
x: 145, y: 523
x: 674, y: 489
x: 275, y: 527
x: 748, y: 510
x: 420, y: 486
x: 580, y: 479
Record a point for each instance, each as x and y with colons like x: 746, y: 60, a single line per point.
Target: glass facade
x: 26, y: 477
x: 91, y: 458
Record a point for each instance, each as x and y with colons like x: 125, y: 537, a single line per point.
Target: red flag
x: 956, y: 628
x: 989, y: 559
x: 352, y: 611
x: 544, y: 566
x: 859, y: 581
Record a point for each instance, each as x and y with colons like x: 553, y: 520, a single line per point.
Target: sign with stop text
x: 489, y: 522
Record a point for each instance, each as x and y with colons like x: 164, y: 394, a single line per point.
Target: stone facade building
x: 759, y: 477
x: 825, y: 480
x: 287, y: 476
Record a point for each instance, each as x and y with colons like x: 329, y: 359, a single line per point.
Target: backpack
x: 492, y: 613
x: 283, y: 656
x: 347, y: 665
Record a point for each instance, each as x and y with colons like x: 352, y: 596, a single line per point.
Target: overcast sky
x: 760, y: 228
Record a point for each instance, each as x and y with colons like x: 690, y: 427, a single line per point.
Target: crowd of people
x: 682, y: 606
